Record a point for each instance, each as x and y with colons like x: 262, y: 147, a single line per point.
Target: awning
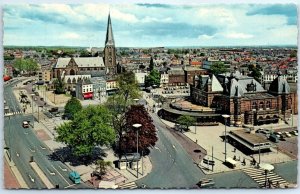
x: 88, y: 95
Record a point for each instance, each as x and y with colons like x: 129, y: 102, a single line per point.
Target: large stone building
x: 244, y: 99
x: 74, y: 69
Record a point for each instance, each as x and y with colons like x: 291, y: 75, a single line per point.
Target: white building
x: 140, y: 78
x: 84, y: 89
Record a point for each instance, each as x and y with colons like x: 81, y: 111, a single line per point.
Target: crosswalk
x: 258, y: 175
x: 12, y: 113
x: 130, y: 185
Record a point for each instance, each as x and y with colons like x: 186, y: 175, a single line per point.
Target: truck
x: 206, y: 183
x: 75, y: 177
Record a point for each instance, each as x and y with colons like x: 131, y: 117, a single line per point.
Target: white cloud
x: 205, y: 36
x: 71, y: 35
x: 238, y: 35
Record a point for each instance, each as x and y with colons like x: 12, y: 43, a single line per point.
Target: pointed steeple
x: 109, y: 41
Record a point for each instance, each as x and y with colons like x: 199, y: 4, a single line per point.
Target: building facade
x: 244, y: 99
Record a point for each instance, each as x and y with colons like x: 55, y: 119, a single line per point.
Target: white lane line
x: 52, y: 173
x: 18, y: 154
x: 69, y: 186
x: 60, y: 174
x: 43, y: 148
x: 31, y: 150
x: 32, y: 179
x: 174, y: 147
x: 63, y: 169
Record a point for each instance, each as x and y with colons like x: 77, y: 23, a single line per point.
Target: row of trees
x: 109, y: 124
x: 26, y: 65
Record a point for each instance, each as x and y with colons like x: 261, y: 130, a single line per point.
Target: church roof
x: 109, y: 41
x: 81, y: 62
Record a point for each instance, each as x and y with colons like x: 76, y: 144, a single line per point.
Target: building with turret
x: 244, y: 99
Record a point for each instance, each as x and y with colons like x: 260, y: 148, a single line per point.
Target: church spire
x: 109, y: 41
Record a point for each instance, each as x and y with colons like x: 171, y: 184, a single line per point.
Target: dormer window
x: 251, y: 87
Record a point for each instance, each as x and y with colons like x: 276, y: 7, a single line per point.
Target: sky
x: 150, y: 25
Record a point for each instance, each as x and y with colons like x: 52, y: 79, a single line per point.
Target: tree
x: 73, y: 106
x: 186, y: 121
x: 84, y: 53
x: 27, y: 65
x: 293, y: 54
x: 146, y: 135
x: 256, y: 74
x: 59, y: 86
x: 119, y: 103
x: 89, y: 128
x: 151, y: 66
x: 101, y: 167
x: 153, y: 78
x: 218, y: 68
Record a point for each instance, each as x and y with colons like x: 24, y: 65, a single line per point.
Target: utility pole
x: 212, y: 158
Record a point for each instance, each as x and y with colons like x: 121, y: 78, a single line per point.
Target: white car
x: 287, y: 134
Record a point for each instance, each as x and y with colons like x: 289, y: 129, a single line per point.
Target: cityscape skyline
x: 156, y: 24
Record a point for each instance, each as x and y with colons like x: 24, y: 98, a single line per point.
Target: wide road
x: 23, y: 144
x: 174, y: 168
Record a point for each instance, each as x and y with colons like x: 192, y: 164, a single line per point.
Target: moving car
x: 25, y: 124
x: 75, y: 177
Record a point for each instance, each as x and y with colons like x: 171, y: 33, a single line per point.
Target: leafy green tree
x: 146, y: 135
x: 84, y: 53
x: 89, y: 128
x: 72, y: 107
x: 119, y: 103
x: 153, y: 78
x: 27, y: 65
x: 218, y: 68
x: 59, y: 86
x: 151, y: 66
x: 293, y: 54
x: 186, y: 121
x: 256, y: 74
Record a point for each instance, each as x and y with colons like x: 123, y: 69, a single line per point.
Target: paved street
x: 23, y: 144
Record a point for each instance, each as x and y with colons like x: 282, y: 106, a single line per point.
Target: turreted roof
x: 279, y: 86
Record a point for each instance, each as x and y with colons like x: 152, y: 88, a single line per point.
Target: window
x: 268, y: 104
x: 83, y: 90
x: 261, y: 105
x: 253, y: 105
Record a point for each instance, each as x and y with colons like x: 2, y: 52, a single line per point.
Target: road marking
x: 60, y: 174
x: 26, y: 133
x: 157, y: 148
x: 174, y: 147
x: 18, y: 154
x: 52, y: 173
x: 43, y: 148
x: 31, y: 150
x: 32, y: 179
x: 63, y: 169
x: 69, y: 186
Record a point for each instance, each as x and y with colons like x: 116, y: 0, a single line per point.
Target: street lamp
x: 32, y: 96
x: 225, y: 135
x: 137, y: 126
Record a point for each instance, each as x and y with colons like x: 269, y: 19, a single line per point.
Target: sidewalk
x: 209, y: 138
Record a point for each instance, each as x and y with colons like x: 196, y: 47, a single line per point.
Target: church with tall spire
x: 110, y: 50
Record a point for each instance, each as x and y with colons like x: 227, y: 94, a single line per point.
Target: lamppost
x: 32, y: 96
x: 225, y: 135
x: 137, y: 126
x: 39, y: 112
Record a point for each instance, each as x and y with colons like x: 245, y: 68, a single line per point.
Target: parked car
x: 273, y: 138
x: 294, y: 133
x: 287, y: 134
x: 204, y: 183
